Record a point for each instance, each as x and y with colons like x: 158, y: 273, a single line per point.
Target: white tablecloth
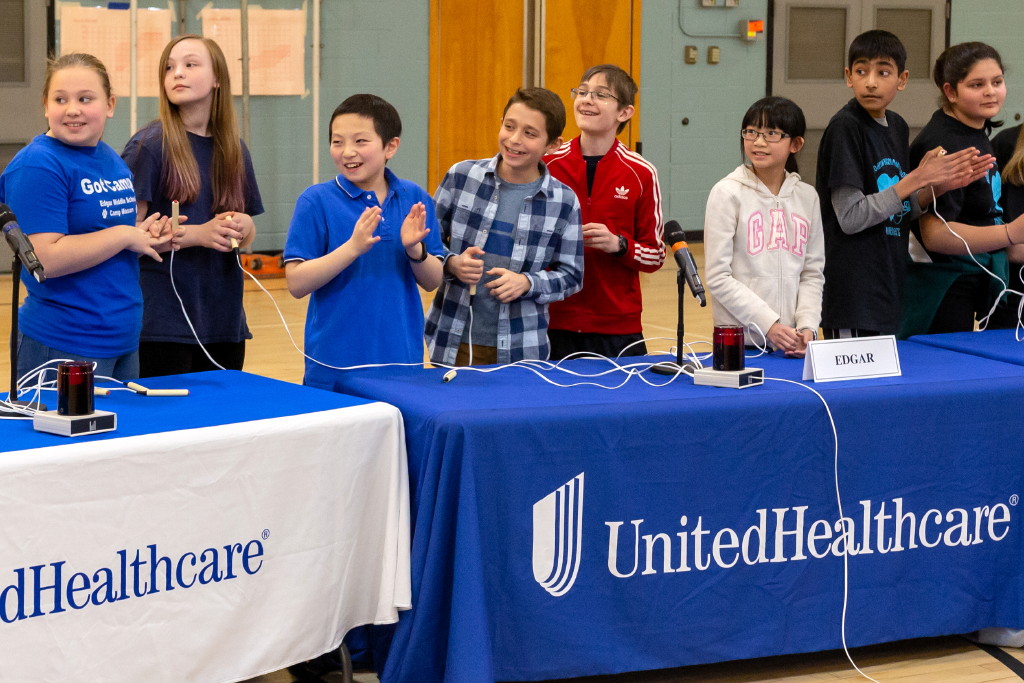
x: 271, y: 540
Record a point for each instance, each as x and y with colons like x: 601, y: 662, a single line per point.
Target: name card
x: 831, y: 360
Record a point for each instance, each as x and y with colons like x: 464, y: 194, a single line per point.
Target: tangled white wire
x: 35, y: 382
x: 41, y: 378
x: 983, y: 322
x: 538, y: 367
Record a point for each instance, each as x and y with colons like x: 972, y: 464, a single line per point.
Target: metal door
x: 809, y: 43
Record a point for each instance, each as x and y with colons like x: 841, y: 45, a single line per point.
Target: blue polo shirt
x: 370, y: 312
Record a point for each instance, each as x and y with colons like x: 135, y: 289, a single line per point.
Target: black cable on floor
x: 1008, y: 660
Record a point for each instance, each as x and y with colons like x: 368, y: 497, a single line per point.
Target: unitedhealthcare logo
x: 558, y: 536
x: 767, y: 536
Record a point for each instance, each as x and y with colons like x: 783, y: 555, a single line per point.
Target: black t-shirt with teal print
x: 864, y: 272
x: 976, y: 204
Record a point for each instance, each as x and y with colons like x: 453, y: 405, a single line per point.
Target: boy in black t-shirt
x: 868, y: 199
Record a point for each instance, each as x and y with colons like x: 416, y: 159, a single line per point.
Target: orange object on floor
x: 264, y: 265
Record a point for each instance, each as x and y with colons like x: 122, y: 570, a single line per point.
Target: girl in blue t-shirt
x: 193, y: 154
x: 73, y: 197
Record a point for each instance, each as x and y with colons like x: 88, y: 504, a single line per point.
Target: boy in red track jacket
x: 622, y: 224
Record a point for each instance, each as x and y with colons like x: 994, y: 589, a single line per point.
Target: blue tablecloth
x: 501, y: 462
x: 995, y: 344
x: 251, y: 398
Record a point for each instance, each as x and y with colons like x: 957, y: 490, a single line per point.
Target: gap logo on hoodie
x: 776, y: 231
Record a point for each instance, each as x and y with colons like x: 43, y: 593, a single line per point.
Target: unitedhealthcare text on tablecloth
x: 44, y: 589
x: 784, y: 535
x: 788, y: 534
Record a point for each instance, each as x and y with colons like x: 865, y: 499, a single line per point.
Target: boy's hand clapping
x: 980, y: 164
x: 414, y: 227
x: 951, y: 171
x: 363, y: 239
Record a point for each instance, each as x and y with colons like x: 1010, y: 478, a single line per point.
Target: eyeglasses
x: 769, y: 136
x: 599, y: 96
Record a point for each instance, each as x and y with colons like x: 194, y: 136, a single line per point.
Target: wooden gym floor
x: 949, y: 659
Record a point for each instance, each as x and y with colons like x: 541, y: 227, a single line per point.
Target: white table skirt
x: 271, y: 540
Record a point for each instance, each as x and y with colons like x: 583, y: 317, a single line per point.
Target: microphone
x: 676, y: 239
x: 20, y: 245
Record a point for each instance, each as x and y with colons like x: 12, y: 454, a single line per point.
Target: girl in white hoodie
x: 763, y: 240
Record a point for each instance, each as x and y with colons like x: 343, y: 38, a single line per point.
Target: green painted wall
x: 998, y: 23
x: 691, y: 158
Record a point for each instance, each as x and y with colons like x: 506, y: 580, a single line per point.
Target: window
x: 914, y: 28
x: 817, y: 43
x: 12, y: 41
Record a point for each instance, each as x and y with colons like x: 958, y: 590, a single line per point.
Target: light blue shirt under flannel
x: 547, y: 248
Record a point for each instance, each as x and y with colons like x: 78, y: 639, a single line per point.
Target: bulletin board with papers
x: 277, y: 44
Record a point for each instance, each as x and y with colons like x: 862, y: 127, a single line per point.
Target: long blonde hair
x: 1014, y: 171
x: 180, y: 173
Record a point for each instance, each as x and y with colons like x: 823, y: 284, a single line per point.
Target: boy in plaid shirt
x: 512, y: 229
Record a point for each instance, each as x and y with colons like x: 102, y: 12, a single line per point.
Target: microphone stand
x: 678, y: 366
x: 12, y: 397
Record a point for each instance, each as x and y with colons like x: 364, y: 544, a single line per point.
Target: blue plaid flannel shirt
x: 548, y: 249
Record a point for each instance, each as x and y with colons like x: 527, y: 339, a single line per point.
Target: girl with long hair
x: 193, y: 155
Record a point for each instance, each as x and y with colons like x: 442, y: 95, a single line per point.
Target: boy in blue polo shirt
x: 514, y: 234
x: 359, y: 245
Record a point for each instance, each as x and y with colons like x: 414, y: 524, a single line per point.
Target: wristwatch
x: 623, y: 246
x: 814, y: 333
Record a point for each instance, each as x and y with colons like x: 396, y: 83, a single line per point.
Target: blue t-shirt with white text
x: 53, y: 187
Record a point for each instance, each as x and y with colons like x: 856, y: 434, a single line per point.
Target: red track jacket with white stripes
x: 626, y: 198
